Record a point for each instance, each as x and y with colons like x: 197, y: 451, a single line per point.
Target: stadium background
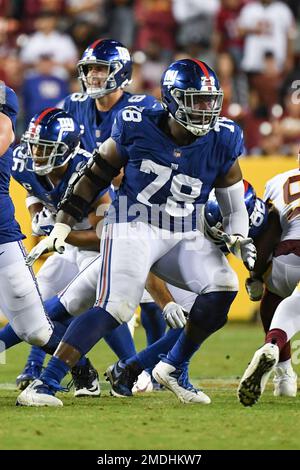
x: 41, y: 41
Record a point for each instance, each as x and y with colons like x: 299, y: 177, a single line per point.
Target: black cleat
x: 86, y: 381
x: 122, y: 378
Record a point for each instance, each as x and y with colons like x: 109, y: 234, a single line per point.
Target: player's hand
x: 242, y: 248
x: 254, y: 288
x: 43, y: 222
x: 174, y: 315
x: 55, y: 242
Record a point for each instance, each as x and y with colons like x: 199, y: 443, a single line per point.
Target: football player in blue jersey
x: 172, y: 159
x: 20, y: 299
x: 104, y: 70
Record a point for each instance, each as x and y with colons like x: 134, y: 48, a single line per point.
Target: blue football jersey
x: 97, y: 124
x: 41, y: 187
x: 9, y: 228
x: 171, y: 182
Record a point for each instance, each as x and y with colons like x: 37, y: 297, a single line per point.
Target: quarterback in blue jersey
x: 172, y: 159
x: 20, y: 299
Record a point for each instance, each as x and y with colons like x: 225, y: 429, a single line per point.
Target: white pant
x: 80, y: 294
x: 130, y: 250
x: 58, y: 270
x: 20, y: 299
x: 284, y: 275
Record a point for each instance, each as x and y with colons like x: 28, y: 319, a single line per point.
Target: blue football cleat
x: 122, y: 378
x: 31, y: 371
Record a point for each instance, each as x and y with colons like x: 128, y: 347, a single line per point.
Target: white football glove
x: 54, y: 242
x: 254, y: 288
x: 242, y: 248
x: 43, y: 222
x: 174, y: 315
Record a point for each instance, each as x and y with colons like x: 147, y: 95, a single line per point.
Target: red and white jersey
x: 284, y: 192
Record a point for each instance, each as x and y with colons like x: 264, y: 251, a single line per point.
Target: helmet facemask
x: 97, y: 84
x: 43, y: 156
x: 197, y: 111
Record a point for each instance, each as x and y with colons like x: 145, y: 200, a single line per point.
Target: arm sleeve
x: 233, y: 209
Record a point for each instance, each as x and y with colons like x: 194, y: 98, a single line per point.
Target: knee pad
x: 210, y: 311
x: 38, y: 337
x: 121, y: 311
x: 19, y: 291
x: 226, y: 280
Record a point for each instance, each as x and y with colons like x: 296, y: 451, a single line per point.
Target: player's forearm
x: 157, y: 288
x: 233, y: 209
x: 266, y: 242
x: 84, y: 239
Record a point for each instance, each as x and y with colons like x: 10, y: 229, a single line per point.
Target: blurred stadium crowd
x: 254, y: 45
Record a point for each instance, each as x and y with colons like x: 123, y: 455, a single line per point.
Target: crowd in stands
x: 254, y: 45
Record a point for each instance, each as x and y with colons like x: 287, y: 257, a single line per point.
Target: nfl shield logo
x: 98, y: 133
x: 177, y: 153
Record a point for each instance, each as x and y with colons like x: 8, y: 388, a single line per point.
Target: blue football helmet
x: 191, y: 92
x: 115, y: 68
x: 213, y: 217
x: 52, y: 138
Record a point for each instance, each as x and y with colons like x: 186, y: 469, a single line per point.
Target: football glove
x: 242, y: 248
x: 174, y: 315
x: 254, y: 288
x: 43, y: 222
x: 54, y: 242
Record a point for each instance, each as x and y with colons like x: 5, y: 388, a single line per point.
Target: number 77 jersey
x: 283, y: 191
x: 166, y: 184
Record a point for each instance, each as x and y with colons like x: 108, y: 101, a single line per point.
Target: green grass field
x: 157, y: 420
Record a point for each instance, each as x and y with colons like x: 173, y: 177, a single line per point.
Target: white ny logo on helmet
x: 170, y: 77
x: 66, y: 125
x: 124, y: 53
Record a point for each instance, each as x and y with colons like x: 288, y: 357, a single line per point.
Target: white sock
x: 287, y: 315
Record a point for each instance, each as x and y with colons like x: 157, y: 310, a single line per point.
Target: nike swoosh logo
x: 1, y: 253
x: 117, y: 372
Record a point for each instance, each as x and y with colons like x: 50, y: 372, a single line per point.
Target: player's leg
x: 80, y: 295
x: 280, y: 283
x: 216, y: 285
x: 21, y: 301
x: 127, y: 255
x: 285, y: 324
x: 55, y: 274
x: 125, y: 375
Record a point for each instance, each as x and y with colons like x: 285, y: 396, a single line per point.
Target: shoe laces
x: 50, y: 387
x: 183, y: 380
x: 33, y: 368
